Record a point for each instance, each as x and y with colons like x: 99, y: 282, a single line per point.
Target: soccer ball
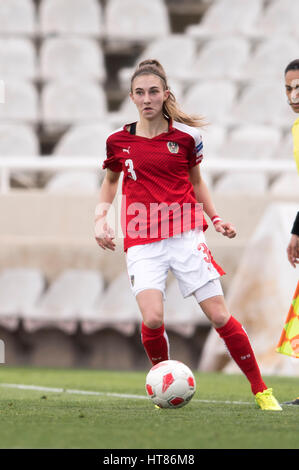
x: 170, y: 384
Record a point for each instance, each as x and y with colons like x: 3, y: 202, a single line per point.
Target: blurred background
x: 65, y: 68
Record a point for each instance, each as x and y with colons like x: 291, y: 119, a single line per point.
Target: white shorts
x: 188, y: 258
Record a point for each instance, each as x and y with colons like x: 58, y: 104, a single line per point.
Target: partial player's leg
x: 153, y: 335
x: 198, y: 274
x: 235, y: 338
x: 238, y: 344
x: 293, y: 402
x: 147, y: 269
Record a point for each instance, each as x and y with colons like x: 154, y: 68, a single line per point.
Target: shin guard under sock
x: 155, y: 343
x: 238, y: 344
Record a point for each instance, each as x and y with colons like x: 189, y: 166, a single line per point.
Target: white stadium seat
x: 227, y: 17
x: 20, y: 289
x: 242, y: 183
x: 182, y: 315
x: 65, y: 299
x: 84, y: 140
x: 76, y: 57
x: 252, y: 142
x: 286, y: 149
x: 286, y: 185
x: 176, y: 53
x: 18, y: 140
x: 207, y: 177
x: 136, y: 20
x: 74, y: 182
x: 82, y: 17
x: 115, y: 308
x: 21, y: 102
x: 211, y: 99
x: 72, y: 101
x: 17, y: 59
x: 17, y: 17
x: 213, y: 137
x: 127, y: 113
x: 279, y: 17
x: 263, y: 103
x: 222, y: 58
x: 271, y: 57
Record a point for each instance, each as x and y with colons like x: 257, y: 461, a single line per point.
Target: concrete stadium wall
x: 55, y: 231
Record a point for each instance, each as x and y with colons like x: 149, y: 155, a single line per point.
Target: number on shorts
x: 206, y: 251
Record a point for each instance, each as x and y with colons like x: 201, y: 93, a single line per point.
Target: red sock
x: 238, y: 344
x: 155, y: 343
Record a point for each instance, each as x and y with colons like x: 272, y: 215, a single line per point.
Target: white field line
x: 107, y: 394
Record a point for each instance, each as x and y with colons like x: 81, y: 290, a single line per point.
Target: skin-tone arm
x: 104, y: 234
x: 203, y: 196
x: 293, y: 250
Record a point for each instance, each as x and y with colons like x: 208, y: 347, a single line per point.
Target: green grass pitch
x: 222, y: 414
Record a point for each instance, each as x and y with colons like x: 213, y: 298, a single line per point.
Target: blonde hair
x: 171, y: 109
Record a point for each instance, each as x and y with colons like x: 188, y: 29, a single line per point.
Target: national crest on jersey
x: 155, y: 171
x: 173, y: 147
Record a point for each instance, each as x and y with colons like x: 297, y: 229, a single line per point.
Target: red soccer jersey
x: 158, y: 200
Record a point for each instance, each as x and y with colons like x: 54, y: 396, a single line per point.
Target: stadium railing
x: 47, y: 164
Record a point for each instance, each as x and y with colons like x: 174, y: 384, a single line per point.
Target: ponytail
x: 171, y: 109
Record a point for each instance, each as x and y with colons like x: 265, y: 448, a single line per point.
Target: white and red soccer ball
x: 170, y: 384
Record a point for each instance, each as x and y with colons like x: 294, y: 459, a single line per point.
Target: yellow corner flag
x: 289, y: 340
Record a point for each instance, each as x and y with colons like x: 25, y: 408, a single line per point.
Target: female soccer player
x: 160, y: 156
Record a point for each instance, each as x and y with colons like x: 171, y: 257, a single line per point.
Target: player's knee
x: 153, y: 319
x: 219, y: 319
x: 151, y: 307
x: 216, y: 311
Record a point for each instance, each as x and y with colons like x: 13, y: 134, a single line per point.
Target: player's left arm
x: 203, y: 196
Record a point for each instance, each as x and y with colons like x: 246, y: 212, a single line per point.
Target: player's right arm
x: 293, y: 246
x: 103, y: 233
